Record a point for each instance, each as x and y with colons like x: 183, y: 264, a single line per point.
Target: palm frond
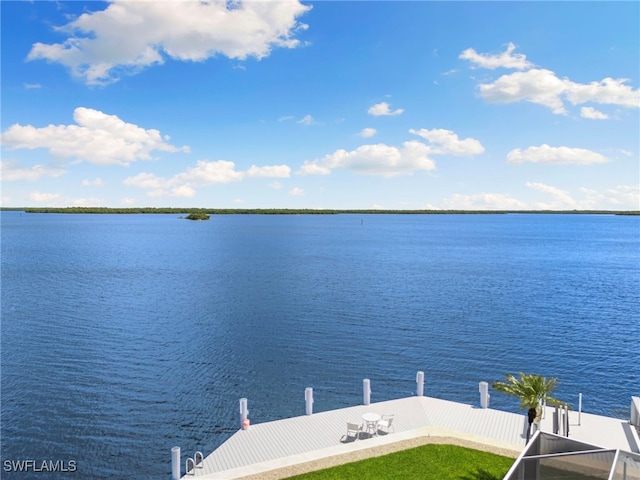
x: 529, y: 388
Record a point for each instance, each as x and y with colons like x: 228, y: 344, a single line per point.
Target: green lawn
x: 431, y: 461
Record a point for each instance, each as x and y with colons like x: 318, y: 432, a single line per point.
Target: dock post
x: 484, y: 394
x: 175, y: 463
x: 366, y: 391
x: 420, y: 382
x: 244, y: 412
x: 579, y: 407
x: 308, y: 397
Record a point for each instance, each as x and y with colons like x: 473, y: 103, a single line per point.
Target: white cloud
x: 129, y: 36
x: 96, y: 182
x: 44, y: 197
x: 286, y: 118
x: 271, y: 171
x: 555, y: 155
x: 482, y: 201
x: 306, y: 120
x: 506, y: 59
x: 562, y: 199
x: 13, y: 171
x: 368, y: 132
x: 382, y: 108
x: 146, y: 181
x: 609, y: 91
x: 623, y: 197
x: 447, y: 142
x: 378, y: 159
x: 592, y: 113
x: 96, y: 138
x: 31, y: 86
x: 61, y: 200
x: 203, y: 174
x: 296, y: 192
x: 184, y: 191
x: 389, y: 161
x: 543, y: 87
x: 86, y: 202
x: 315, y: 167
x: 209, y: 173
x: 539, y: 86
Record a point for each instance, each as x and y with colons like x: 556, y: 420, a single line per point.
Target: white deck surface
x: 271, y: 445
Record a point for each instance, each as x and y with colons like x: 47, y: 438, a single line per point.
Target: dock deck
x: 267, y: 447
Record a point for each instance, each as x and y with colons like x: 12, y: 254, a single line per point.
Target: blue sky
x: 266, y: 104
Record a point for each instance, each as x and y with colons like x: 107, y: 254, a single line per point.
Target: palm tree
x: 531, y: 389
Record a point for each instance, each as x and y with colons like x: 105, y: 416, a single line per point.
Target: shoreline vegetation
x: 295, y: 211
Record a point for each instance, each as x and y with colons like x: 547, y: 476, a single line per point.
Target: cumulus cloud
x: 296, y: 192
x: 562, y: 199
x: 96, y: 182
x: 61, y: 200
x: 203, y: 174
x: 306, y: 120
x: 506, y: 59
x: 209, y: 173
x: 12, y: 171
x: 129, y: 36
x: 592, y: 113
x: 389, y: 161
x: 96, y: 138
x: 447, y: 142
x: 609, y: 91
x: 368, y: 132
x: 271, y: 171
x: 378, y: 159
x: 48, y: 198
x: 539, y: 86
x: 482, y: 201
x: 543, y: 87
x: 555, y: 155
x: 623, y: 197
x: 383, y: 108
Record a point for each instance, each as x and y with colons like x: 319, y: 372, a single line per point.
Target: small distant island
x: 198, y: 216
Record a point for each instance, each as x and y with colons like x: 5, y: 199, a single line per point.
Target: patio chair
x: 353, y: 430
x: 386, y: 423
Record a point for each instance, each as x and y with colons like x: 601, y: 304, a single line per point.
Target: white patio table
x: 371, y: 420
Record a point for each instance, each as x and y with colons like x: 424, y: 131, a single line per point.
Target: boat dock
x: 281, y: 448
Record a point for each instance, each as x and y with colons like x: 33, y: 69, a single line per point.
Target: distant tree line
x: 293, y: 211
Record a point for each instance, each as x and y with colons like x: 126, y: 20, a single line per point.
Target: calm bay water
x: 124, y: 335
